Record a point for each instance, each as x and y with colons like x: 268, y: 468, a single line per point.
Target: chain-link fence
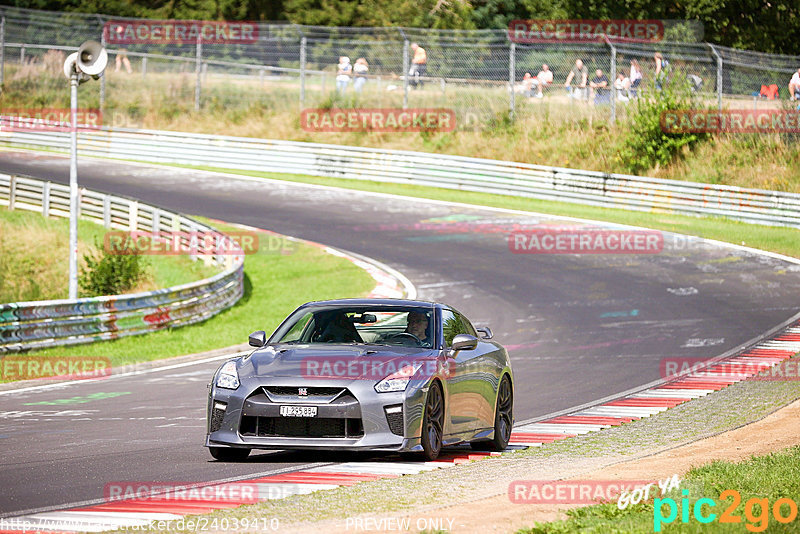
x: 480, y: 74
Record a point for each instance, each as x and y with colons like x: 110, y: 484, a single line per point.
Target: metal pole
x: 144, y: 66
x: 102, y: 79
x: 198, y: 69
x: 73, y: 186
x: 719, y: 76
x: 302, y: 72
x: 405, y: 73
x: 512, y: 78
x: 613, y: 76
x: 2, y: 51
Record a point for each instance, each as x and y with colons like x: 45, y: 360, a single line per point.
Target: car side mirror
x: 486, y: 332
x: 257, y: 339
x: 464, y: 342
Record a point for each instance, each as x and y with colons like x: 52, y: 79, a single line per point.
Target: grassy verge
x: 549, y: 131
x: 760, y: 482
x: 771, y: 238
x: 34, y: 258
x: 275, y: 284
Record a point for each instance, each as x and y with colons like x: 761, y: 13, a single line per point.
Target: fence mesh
x: 480, y: 74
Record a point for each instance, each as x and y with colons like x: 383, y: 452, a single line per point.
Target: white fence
x: 30, y: 325
x: 450, y: 172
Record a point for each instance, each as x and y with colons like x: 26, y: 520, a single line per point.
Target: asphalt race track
x: 578, y: 327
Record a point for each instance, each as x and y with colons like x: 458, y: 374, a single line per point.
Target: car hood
x: 334, y: 361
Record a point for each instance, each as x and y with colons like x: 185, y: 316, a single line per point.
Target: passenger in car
x: 340, y: 330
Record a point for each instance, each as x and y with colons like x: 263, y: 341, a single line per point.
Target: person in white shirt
x: 360, y: 70
x: 794, y: 86
x: 622, y: 85
x: 343, y: 74
x: 545, y: 77
x: 635, y: 77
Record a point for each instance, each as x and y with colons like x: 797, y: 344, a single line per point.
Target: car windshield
x: 408, y: 326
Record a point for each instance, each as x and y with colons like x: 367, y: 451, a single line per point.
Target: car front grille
x: 294, y: 394
x: 301, y: 427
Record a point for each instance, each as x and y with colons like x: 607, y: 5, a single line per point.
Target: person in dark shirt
x: 600, y: 85
x: 418, y: 326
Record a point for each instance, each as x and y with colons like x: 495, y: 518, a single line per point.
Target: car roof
x: 376, y: 302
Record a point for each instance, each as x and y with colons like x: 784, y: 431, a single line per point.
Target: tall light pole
x: 88, y: 62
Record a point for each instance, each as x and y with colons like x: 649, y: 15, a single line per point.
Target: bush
x: 108, y: 273
x: 646, y: 145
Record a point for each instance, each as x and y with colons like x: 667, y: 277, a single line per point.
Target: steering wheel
x: 406, y: 334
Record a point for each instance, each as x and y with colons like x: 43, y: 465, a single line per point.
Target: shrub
x: 646, y: 145
x: 108, y: 273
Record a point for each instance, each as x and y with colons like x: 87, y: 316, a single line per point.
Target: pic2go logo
x: 756, y: 511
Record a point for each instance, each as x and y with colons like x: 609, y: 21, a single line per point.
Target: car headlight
x: 397, y: 381
x: 227, y: 377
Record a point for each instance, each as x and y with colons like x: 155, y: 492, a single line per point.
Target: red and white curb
x: 143, y: 512
x: 651, y: 401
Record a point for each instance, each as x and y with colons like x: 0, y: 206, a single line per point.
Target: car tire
x: 503, y: 419
x: 229, y: 454
x: 433, y: 423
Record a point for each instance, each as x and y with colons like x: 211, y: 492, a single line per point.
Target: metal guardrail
x: 451, y: 172
x: 40, y: 324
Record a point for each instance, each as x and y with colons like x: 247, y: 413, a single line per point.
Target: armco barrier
x: 30, y: 325
x: 451, y: 172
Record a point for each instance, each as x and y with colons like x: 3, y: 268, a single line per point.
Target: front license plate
x: 299, y: 411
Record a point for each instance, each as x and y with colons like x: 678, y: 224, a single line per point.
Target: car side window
x: 468, y: 328
x: 296, y: 333
x: 452, y: 325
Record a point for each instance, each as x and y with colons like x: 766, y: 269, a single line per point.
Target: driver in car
x: 417, y: 324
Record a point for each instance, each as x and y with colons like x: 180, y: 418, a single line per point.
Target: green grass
x: 551, y: 131
x: 275, y: 284
x: 34, y: 258
x: 775, y: 239
x: 771, y: 477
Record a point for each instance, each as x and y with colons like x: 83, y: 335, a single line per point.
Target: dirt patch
x: 496, y: 513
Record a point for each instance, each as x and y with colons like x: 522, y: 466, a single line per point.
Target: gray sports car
x: 364, y: 374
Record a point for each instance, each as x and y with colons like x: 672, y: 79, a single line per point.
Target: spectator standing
x: 122, y: 54
x: 580, y: 74
x: 794, y: 86
x: 343, y: 72
x: 635, y: 77
x: 600, y: 85
x: 360, y: 70
x: 661, y: 69
x: 419, y: 65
